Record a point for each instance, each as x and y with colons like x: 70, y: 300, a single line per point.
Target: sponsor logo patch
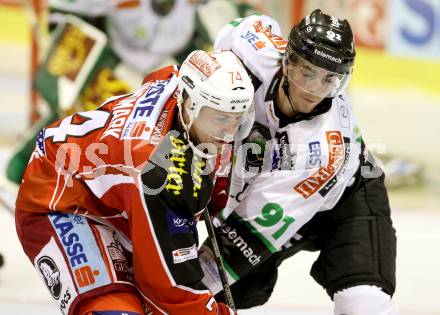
x: 188, y: 81
x: 51, y: 275
x: 65, y: 301
x: 122, y: 111
x: 177, y: 225
x: 327, y: 56
x: 146, y: 112
x: 315, y: 154
x: 331, y: 183
x: 287, y: 159
x: 82, y: 252
x: 177, y: 167
x: 277, y: 41
x: 241, y: 244
x: 312, y: 184
x: 204, y: 63
x: 117, y: 255
x: 335, y: 22
x: 183, y: 254
x: 198, y: 166
x: 135, y: 116
x: 157, y: 131
x: 254, y: 40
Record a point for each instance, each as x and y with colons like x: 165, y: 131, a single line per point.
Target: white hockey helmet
x: 218, y: 81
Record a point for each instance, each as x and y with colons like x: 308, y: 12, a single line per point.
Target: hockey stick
x: 218, y: 260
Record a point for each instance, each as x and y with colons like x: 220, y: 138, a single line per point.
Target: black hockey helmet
x: 324, y: 41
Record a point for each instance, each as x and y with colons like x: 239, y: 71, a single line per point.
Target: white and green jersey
x: 306, y: 164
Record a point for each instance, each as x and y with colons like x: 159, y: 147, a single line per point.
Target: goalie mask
x: 215, y: 98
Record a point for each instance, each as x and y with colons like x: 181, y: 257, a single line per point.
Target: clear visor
x: 313, y: 79
x: 223, y: 126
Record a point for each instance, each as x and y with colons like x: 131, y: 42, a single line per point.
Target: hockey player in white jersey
x: 303, y: 179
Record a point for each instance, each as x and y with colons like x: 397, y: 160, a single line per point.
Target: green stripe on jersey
x: 230, y: 270
x: 265, y: 241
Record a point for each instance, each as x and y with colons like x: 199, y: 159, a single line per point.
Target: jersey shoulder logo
x: 278, y: 42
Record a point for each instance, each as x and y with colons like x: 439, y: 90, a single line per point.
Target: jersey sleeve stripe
x: 152, y: 303
x: 67, y: 179
x: 55, y: 190
x: 193, y: 290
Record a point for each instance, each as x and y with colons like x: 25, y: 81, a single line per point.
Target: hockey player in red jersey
x: 303, y: 179
x: 108, y: 206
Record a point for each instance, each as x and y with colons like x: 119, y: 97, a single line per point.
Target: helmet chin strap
x: 286, y: 92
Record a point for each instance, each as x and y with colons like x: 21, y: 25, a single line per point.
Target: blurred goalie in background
x: 101, y: 50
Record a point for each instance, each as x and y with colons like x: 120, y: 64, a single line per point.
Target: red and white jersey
x: 307, y: 164
x: 128, y: 166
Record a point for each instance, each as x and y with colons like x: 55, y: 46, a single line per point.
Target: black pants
x: 357, y: 245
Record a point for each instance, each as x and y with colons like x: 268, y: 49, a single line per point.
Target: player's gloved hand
x: 219, y: 196
x: 221, y: 217
x: 217, y: 221
x: 223, y: 309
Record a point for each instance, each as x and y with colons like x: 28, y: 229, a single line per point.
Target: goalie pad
x: 76, y: 48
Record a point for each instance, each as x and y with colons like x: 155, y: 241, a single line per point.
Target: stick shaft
x: 218, y: 260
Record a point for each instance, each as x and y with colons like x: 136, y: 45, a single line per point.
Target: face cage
x: 299, y: 78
